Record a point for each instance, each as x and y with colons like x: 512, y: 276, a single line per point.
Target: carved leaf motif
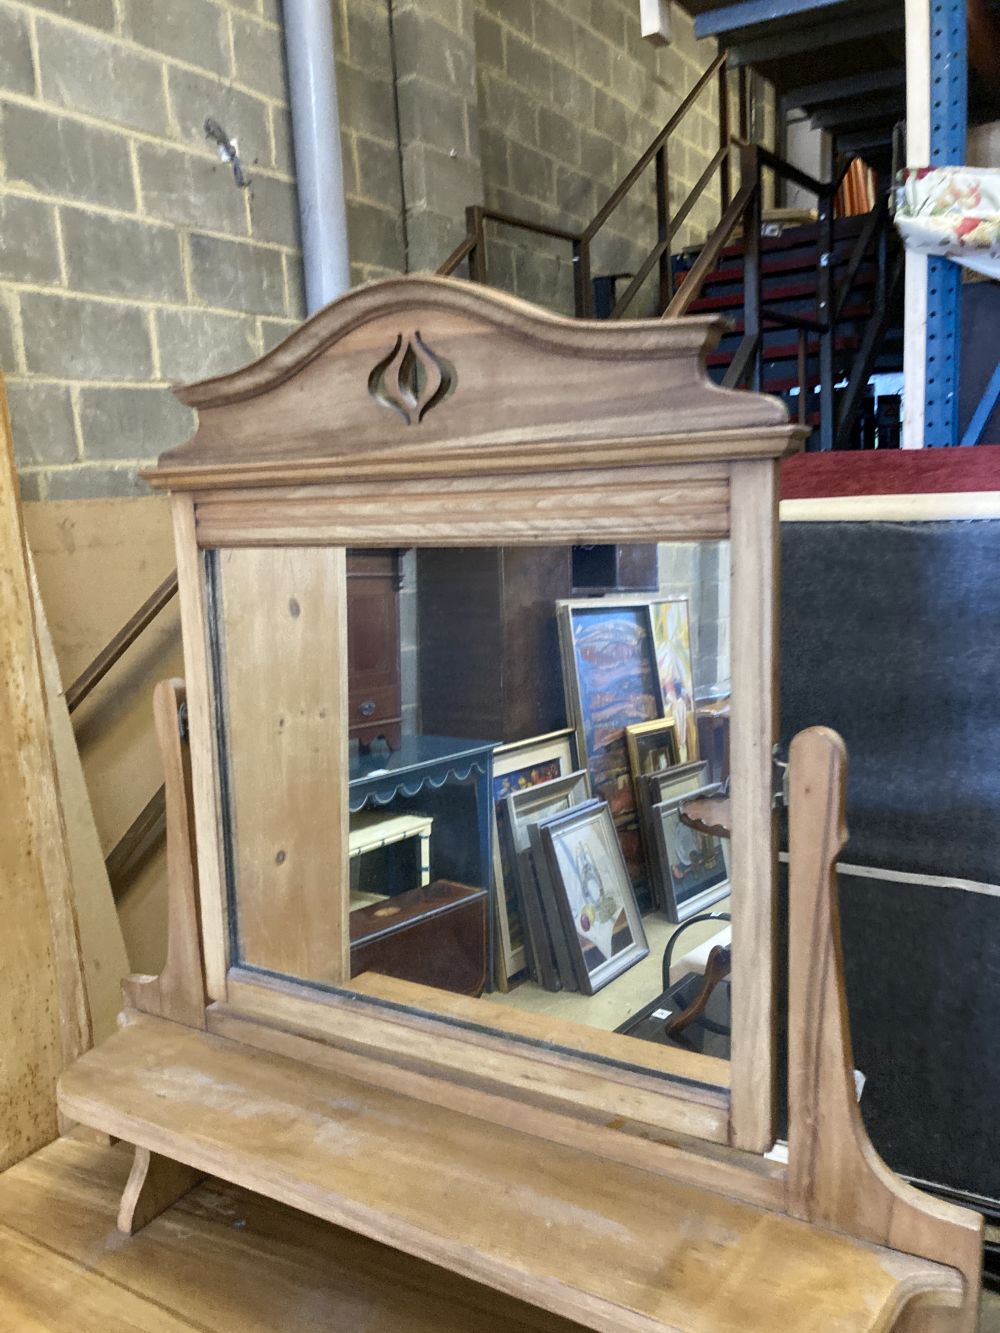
x: 411, y: 379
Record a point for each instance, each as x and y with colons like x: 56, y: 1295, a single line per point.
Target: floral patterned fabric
x: 953, y: 211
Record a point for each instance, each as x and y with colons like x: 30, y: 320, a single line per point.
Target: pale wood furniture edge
x: 155, y: 1183
x: 199, y: 675
x: 544, y: 1232
x: 753, y: 844
x: 547, y: 1028
x: 44, y: 1015
x: 698, y: 1162
x: 836, y: 1179
x: 265, y: 1261
x: 540, y: 1075
x: 178, y: 992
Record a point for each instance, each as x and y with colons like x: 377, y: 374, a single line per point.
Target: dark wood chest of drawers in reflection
x: 489, y: 647
x: 435, y: 935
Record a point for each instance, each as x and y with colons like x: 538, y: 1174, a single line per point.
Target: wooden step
x: 609, y: 1245
x: 798, y: 291
x: 787, y: 351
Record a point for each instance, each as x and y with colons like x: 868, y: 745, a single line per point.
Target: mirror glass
x: 531, y: 786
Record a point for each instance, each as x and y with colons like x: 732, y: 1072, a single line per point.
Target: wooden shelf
x: 631, y: 1250
x: 65, y: 1269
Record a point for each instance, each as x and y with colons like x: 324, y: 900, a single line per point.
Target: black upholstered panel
x: 891, y: 634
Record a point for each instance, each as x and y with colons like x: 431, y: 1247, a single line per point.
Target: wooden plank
x: 547, y: 1029
x: 698, y: 1162
x: 178, y: 993
x: 836, y: 1179
x: 283, y: 646
x: 535, y: 1072
x: 43, y: 1007
x: 200, y: 687
x: 549, y: 1228
x: 222, y: 1259
x: 753, y: 842
x: 427, y: 376
x: 102, y: 948
x: 665, y: 503
x: 96, y: 561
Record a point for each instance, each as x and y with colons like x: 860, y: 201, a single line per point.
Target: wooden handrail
x: 120, y: 644
x: 623, y: 187
x: 676, y: 221
x: 136, y: 843
x: 457, y: 255
x: 877, y: 218
x: 703, y: 265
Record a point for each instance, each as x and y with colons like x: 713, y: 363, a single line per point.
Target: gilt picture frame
x: 652, y: 747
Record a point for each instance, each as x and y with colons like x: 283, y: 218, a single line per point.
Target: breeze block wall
x: 570, y: 95
x: 130, y: 256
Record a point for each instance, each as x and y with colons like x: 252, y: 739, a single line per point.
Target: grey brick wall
x: 569, y: 96
x: 129, y: 257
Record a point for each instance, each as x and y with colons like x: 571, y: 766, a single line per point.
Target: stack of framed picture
x: 689, y: 869
x: 627, y: 661
x: 569, y: 913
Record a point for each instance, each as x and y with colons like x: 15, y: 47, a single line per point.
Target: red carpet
x: 890, y: 472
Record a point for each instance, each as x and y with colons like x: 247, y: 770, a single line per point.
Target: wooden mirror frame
x: 428, y: 411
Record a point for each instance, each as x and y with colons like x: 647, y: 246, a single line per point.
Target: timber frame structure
x: 426, y: 410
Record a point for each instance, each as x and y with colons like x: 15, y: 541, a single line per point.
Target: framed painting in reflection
x: 672, y: 644
x: 694, y: 872
x: 587, y: 876
x: 517, y: 767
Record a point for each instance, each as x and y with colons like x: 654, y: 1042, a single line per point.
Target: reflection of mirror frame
x: 539, y: 430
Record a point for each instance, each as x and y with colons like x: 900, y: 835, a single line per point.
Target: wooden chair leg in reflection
x: 717, y: 968
x: 836, y: 1178
x: 155, y: 1183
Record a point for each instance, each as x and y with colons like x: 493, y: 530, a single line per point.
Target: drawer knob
x: 367, y: 708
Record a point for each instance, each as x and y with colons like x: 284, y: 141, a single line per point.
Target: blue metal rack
x: 949, y: 115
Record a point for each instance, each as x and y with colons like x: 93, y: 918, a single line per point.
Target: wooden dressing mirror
x: 490, y: 442
x: 433, y: 415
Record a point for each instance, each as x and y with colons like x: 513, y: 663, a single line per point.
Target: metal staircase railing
x: 740, y: 212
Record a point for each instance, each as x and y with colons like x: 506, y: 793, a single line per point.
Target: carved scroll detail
x: 411, y: 379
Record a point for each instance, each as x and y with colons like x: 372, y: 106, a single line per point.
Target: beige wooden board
x: 836, y: 1178
x: 222, y: 1260
x: 503, y: 381
x: 753, y: 847
x: 97, y: 562
x: 283, y: 638
x: 606, y: 1244
x: 44, y: 1022
x: 204, y: 722
x: 102, y: 947
x: 548, y: 1027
